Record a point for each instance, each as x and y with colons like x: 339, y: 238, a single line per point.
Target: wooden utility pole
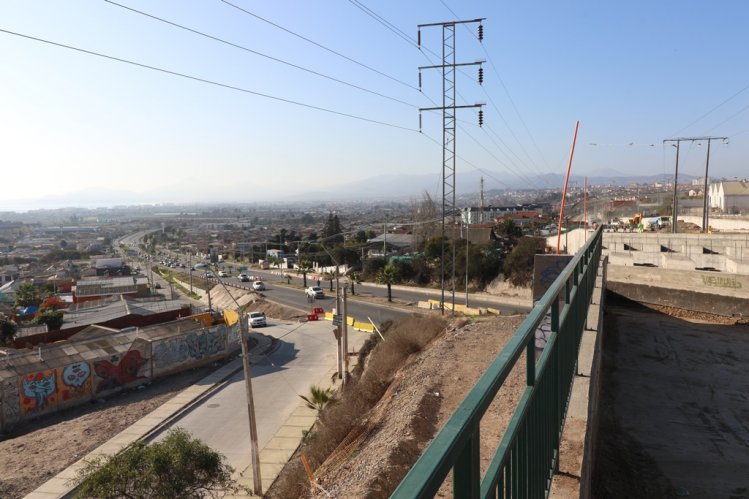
x: 344, y: 336
x: 255, y: 453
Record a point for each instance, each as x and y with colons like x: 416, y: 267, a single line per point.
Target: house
x: 730, y: 196
x: 95, y: 289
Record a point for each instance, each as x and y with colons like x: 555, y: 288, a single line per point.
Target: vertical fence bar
x: 467, y: 469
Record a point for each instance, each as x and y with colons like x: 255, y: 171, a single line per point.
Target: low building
x: 730, y: 196
x: 95, y: 289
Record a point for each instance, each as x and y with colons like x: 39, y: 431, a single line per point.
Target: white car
x: 315, y: 292
x: 258, y: 286
x: 256, y: 319
x: 209, y: 275
x: 223, y: 273
x: 243, y: 278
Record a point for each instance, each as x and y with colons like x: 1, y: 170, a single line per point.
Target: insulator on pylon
x: 481, y: 32
x: 481, y: 117
x: 481, y: 75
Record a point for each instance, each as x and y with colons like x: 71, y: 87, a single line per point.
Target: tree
x: 329, y: 276
x: 178, y: 466
x: 388, y: 275
x: 333, y: 232
x: 27, y: 295
x: 354, y: 277
x: 8, y: 328
x: 304, y: 268
x: 426, y: 218
x: 52, y: 318
x: 319, y: 398
x: 508, y: 228
x: 518, y: 267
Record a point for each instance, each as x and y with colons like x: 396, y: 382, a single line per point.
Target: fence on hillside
x: 528, y: 454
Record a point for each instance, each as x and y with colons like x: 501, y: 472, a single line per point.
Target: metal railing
x: 528, y: 454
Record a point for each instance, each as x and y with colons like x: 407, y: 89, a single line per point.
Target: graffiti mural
x: 232, y: 336
x: 205, y: 344
x: 74, y: 382
x: 196, y: 345
x: 119, y: 370
x: 38, y: 391
x: 11, y: 402
x: 170, y: 352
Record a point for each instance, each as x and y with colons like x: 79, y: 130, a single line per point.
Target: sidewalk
x: 61, y: 485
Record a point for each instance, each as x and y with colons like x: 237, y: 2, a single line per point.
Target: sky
x: 80, y: 129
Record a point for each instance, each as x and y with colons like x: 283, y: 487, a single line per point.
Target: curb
x: 61, y: 486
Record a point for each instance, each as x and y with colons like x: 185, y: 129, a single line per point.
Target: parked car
x: 223, y: 273
x: 315, y: 292
x: 243, y: 278
x: 256, y: 319
x: 258, y: 286
x: 208, y: 275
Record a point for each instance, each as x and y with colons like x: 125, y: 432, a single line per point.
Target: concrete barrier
x: 702, y: 291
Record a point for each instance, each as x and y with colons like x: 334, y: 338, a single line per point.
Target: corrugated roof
x: 736, y: 188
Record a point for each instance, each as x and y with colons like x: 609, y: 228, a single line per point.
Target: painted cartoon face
x: 39, y: 387
x: 76, y: 374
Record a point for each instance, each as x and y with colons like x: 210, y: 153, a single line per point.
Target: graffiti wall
x: 11, y: 407
x: 45, y: 391
x: 48, y: 390
x: 121, y: 371
x: 193, y: 348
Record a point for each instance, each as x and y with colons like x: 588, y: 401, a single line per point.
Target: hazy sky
x: 77, y: 126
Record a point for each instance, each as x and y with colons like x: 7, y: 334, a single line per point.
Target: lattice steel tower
x: 449, y: 108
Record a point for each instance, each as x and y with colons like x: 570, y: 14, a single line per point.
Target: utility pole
x: 481, y: 203
x: 675, y: 201
x: 449, y: 125
x: 254, y: 448
x: 339, y: 327
x: 344, y: 343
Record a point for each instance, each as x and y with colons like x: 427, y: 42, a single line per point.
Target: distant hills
x: 411, y: 186
x: 389, y: 187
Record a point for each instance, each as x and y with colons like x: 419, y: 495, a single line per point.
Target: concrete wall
x: 62, y: 383
x: 710, y: 292
x: 722, y: 252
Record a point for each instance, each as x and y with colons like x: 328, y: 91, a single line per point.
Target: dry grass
x: 346, y: 420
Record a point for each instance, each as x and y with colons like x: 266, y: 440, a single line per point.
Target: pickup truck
x: 256, y: 319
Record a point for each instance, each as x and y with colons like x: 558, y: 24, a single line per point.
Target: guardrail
x: 528, y: 454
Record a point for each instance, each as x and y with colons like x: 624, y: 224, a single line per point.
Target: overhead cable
x: 210, y: 82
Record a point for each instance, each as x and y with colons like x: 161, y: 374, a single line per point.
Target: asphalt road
x: 306, y: 354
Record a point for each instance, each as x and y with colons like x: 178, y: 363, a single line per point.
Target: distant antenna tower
x: 481, y: 203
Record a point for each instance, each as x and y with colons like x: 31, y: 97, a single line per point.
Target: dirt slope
x: 421, y: 398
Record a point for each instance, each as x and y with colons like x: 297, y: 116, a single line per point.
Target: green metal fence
x: 528, y: 454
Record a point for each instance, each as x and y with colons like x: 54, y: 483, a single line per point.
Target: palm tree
x: 329, y: 276
x: 319, y: 398
x: 305, y: 267
x: 388, y: 275
x: 354, y: 277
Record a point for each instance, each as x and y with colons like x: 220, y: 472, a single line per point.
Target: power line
x: 730, y: 117
x: 210, y: 82
x: 712, y: 110
x: 384, y: 22
x: 410, y: 40
x: 270, y: 57
x: 509, y: 97
x: 320, y: 45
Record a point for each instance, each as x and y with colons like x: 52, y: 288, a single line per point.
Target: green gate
x: 528, y: 454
